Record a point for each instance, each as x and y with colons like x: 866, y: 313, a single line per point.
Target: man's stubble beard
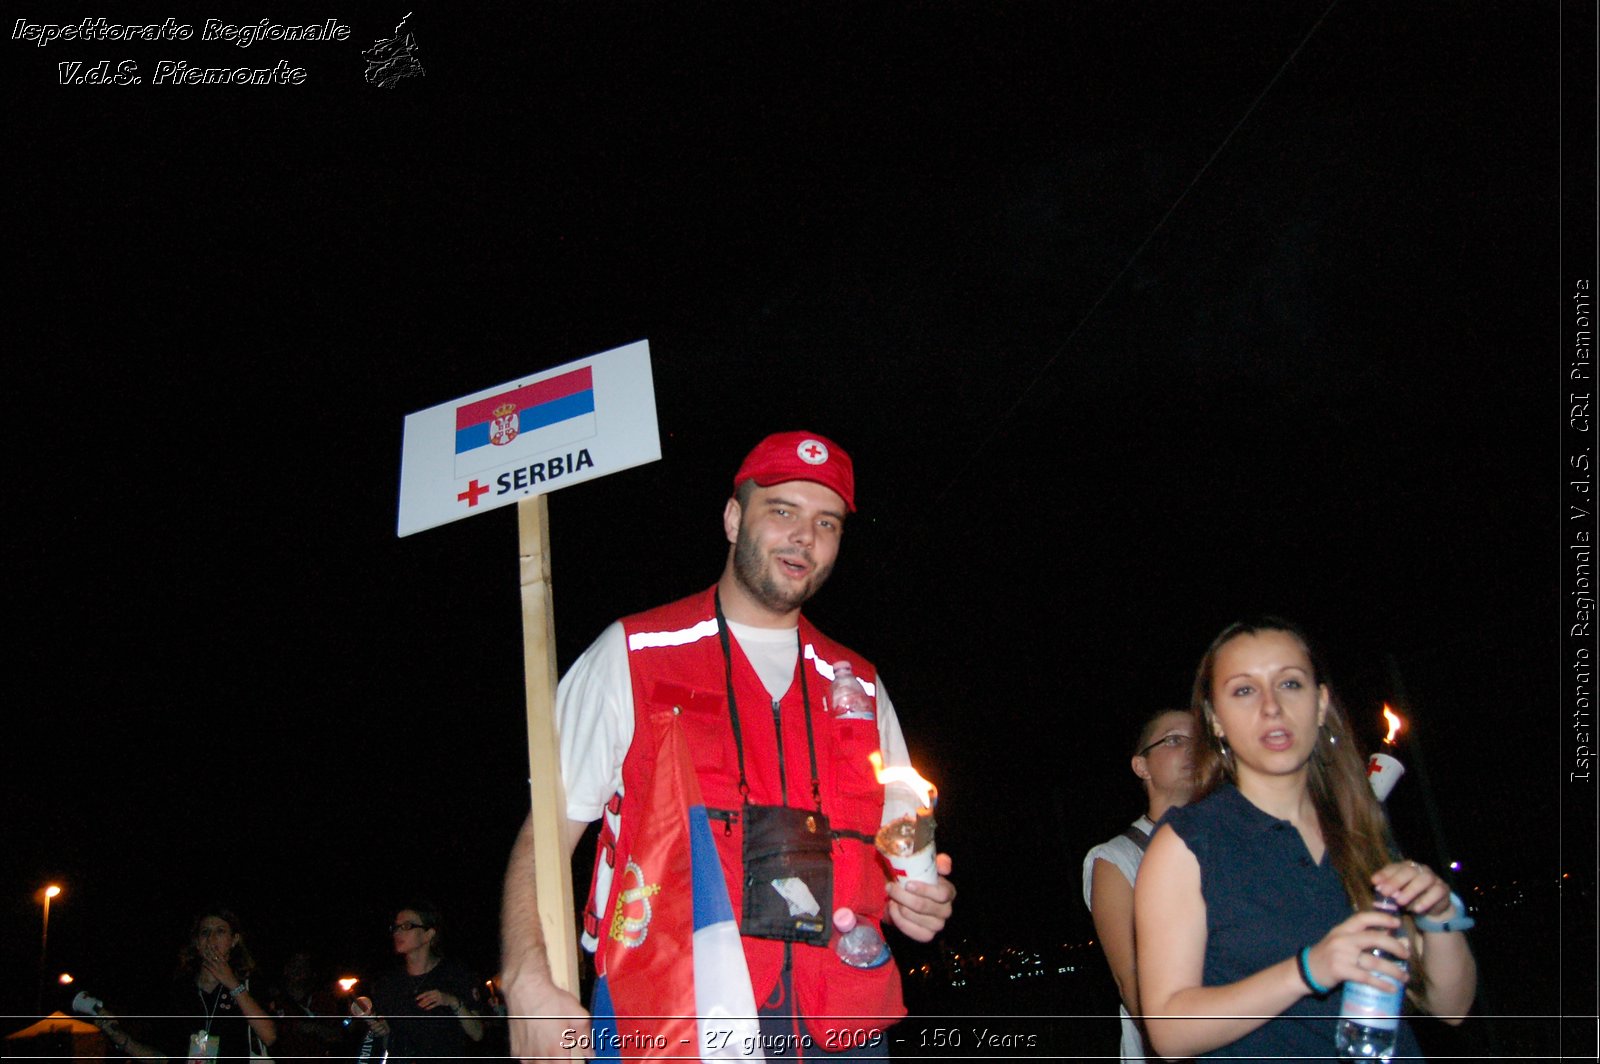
x: 751, y: 571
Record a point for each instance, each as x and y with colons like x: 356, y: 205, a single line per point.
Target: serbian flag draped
x: 673, y: 980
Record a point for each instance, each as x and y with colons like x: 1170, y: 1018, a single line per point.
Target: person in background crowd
x: 1163, y: 759
x: 210, y: 1012
x: 428, y: 1009
x: 1243, y: 904
x: 306, y: 1008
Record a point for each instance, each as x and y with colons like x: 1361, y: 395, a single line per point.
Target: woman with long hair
x: 210, y: 1011
x: 1254, y: 902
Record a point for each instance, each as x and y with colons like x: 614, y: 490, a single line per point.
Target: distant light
x: 65, y: 979
x: 1455, y: 866
x: 52, y: 891
x: 348, y: 983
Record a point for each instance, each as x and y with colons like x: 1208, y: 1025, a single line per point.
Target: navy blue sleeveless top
x: 1265, y: 898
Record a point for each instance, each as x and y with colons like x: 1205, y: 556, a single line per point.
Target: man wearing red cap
x: 745, y: 676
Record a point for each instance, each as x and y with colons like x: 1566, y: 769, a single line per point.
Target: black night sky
x: 1136, y: 317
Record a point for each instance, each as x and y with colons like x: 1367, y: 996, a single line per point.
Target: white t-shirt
x: 1126, y: 856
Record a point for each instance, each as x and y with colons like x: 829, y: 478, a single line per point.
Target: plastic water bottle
x: 848, y: 699
x: 858, y: 945
x: 1369, y: 1018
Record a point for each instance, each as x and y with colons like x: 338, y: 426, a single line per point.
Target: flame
x: 348, y: 983
x: 927, y: 794
x: 1396, y: 722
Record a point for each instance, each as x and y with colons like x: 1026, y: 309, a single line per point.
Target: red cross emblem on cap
x: 812, y: 452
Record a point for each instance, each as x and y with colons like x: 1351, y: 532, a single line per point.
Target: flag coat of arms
x: 673, y: 980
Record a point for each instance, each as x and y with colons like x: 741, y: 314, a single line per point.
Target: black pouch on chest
x: 787, y: 857
x: 788, y: 874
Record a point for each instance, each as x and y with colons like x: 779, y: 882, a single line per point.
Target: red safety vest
x: 675, y: 661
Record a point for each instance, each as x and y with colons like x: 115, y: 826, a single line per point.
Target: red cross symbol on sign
x: 1373, y: 766
x: 470, y: 496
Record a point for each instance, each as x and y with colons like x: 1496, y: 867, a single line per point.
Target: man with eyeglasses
x: 744, y: 679
x: 1163, y: 759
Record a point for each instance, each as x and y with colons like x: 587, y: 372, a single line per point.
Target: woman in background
x: 209, y: 1012
x: 427, y: 1010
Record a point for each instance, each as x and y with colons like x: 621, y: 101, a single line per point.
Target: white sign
x: 527, y: 437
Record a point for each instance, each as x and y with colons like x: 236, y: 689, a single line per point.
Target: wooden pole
x: 552, y: 866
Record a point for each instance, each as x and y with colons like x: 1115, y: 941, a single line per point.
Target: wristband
x: 1303, y: 959
x: 242, y: 988
x: 1450, y: 923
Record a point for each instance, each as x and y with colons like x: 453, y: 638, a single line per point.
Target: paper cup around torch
x: 918, y: 866
x: 907, y: 844
x: 1383, y: 772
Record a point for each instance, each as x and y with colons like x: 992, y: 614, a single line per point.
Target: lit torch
x: 907, y: 843
x: 1383, y: 769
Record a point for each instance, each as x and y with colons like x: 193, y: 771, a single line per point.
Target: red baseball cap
x: 800, y: 456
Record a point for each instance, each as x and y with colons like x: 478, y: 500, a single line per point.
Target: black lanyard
x: 211, y: 1009
x: 733, y: 707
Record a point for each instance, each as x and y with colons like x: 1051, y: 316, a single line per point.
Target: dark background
x: 1136, y: 317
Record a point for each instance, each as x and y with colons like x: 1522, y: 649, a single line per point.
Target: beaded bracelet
x: 1303, y: 959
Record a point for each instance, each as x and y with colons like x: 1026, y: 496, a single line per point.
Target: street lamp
x: 50, y: 891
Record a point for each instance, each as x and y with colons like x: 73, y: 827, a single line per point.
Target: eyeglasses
x: 1175, y: 741
x: 395, y: 929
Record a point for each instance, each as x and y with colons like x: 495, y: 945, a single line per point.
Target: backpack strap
x: 1138, y: 836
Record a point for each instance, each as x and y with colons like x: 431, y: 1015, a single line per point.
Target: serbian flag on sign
x: 673, y: 980
x: 517, y: 424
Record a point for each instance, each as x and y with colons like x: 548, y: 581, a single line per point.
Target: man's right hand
x: 545, y: 1021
